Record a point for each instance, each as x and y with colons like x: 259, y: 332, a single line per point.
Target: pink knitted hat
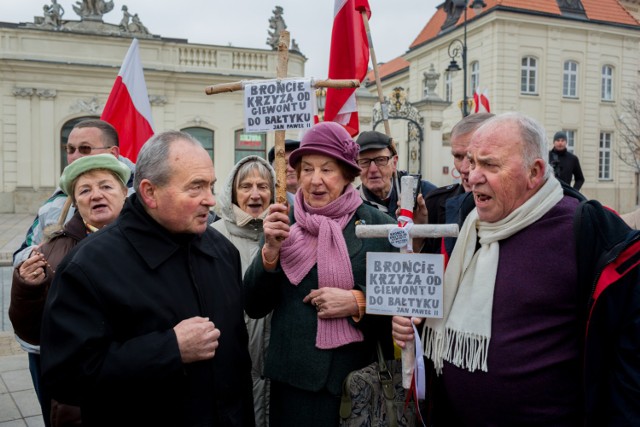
x: 329, y: 139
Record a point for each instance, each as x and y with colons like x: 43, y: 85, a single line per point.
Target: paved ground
x: 18, y: 402
x: 12, y: 230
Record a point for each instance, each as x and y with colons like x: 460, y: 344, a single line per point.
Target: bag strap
x: 345, y: 400
x: 64, y: 212
x: 388, y: 390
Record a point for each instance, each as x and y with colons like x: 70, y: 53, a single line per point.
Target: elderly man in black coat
x: 144, y: 322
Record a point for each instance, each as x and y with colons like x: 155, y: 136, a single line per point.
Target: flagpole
x: 409, y: 352
x: 383, y: 106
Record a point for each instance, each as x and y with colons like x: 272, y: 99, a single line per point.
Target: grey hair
x: 533, y: 136
x: 152, y: 163
x: 470, y: 124
x: 245, y: 170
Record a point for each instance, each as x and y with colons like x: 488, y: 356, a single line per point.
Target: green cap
x: 88, y: 163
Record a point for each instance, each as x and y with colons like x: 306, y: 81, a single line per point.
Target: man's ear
x: 536, y: 173
x: 115, y: 150
x: 148, y: 192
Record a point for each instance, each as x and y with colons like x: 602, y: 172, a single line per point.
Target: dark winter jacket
x: 390, y: 205
x: 566, y: 166
x: 443, y: 206
x: 108, y: 343
x: 608, y: 254
x: 27, y: 301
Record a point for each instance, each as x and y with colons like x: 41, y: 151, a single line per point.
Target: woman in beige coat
x: 243, y: 203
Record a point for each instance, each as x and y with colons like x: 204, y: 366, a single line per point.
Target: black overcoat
x: 108, y: 343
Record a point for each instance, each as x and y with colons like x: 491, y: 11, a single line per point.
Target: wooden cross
x: 280, y: 164
x: 417, y: 230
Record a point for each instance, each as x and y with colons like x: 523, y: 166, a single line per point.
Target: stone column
x: 158, y: 103
x: 433, y: 136
x: 24, y: 137
x: 435, y: 155
x: 47, y: 141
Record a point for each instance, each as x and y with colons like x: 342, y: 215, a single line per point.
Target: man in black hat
x: 565, y: 164
x: 292, y: 178
x: 380, y: 178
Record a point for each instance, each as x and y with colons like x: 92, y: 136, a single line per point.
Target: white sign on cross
x: 281, y: 104
x: 417, y: 230
x: 404, y: 284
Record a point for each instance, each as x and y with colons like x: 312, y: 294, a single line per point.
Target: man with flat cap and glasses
x: 380, y: 178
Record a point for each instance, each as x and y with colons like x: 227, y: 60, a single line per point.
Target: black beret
x: 289, y: 145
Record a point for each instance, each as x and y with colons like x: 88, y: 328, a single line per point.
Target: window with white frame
x: 570, y: 79
x: 571, y: 140
x: 475, y: 76
x: 205, y: 137
x: 448, y: 86
x: 604, y: 156
x: 607, y: 83
x: 529, y: 76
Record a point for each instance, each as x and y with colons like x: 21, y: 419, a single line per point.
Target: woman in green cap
x: 97, y: 188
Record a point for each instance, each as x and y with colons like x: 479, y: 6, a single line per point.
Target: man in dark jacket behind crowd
x: 378, y: 160
x: 144, y: 321
x: 564, y: 163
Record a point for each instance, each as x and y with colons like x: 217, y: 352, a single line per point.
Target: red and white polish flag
x: 484, y: 100
x: 476, y: 100
x: 128, y: 108
x: 481, y: 99
x: 348, y: 59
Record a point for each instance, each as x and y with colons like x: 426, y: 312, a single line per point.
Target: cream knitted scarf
x: 462, y: 336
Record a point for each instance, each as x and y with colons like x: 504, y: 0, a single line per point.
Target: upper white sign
x: 280, y: 104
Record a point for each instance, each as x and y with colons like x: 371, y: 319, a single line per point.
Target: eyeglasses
x: 379, y: 161
x: 83, y: 149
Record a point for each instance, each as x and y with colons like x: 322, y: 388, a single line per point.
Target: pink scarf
x: 317, y: 237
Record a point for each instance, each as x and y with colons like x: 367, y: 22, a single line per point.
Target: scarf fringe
x: 433, y: 347
x: 463, y: 349
x: 467, y: 350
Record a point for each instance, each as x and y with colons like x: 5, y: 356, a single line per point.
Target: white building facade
x: 53, y: 76
x: 568, y: 65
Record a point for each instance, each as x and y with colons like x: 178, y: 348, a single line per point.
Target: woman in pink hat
x: 311, y: 275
